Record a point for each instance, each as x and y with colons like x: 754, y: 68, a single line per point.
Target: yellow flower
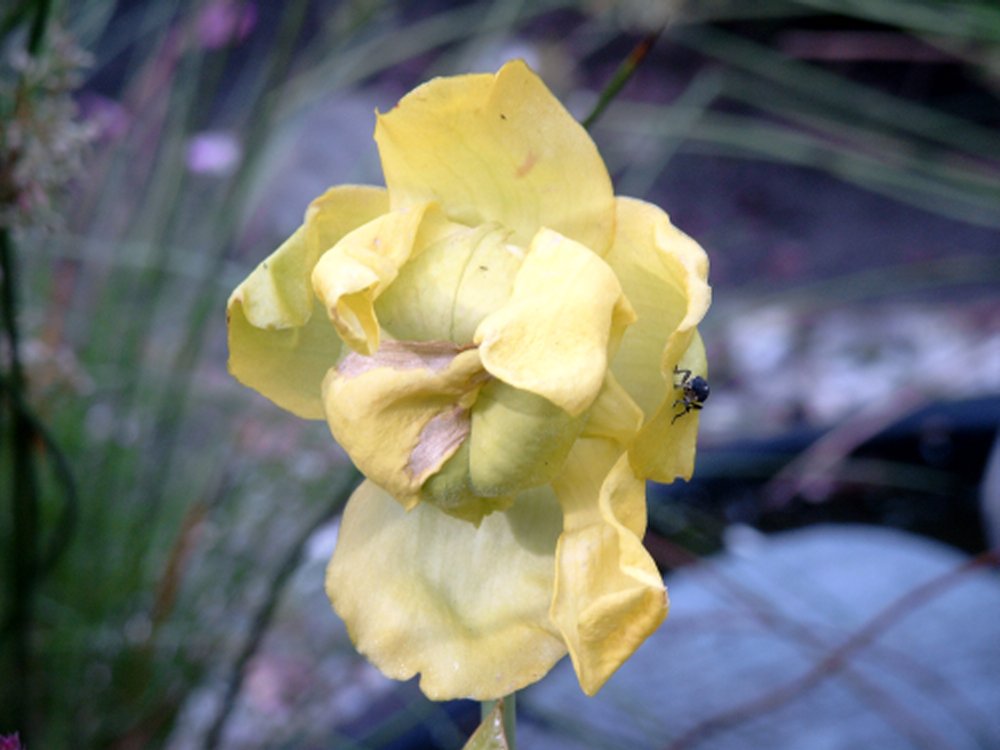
x: 493, y: 339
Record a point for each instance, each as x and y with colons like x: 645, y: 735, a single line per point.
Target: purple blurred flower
x: 214, y: 152
x: 10, y: 742
x: 108, y: 117
x: 224, y: 22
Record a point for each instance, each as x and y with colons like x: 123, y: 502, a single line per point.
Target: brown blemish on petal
x: 527, y: 165
x: 402, y: 355
x: 438, y: 441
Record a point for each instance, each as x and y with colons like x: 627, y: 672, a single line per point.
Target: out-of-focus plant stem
x: 24, y: 501
x: 265, y: 613
x: 17, y: 428
x: 38, y: 25
x: 622, y: 76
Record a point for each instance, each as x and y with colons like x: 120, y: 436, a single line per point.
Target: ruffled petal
x: 279, y: 344
x: 553, y: 337
x: 608, y: 595
x: 663, y: 273
x: 497, y: 148
x: 403, y: 412
x: 351, y: 275
x: 466, y: 607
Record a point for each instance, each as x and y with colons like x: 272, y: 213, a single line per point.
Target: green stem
x: 622, y: 76
x: 509, y: 711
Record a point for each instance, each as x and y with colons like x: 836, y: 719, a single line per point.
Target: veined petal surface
x: 280, y: 344
x: 465, y: 607
x: 458, y: 276
x: 497, y: 148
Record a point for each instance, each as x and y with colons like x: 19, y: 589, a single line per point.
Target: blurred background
x: 164, y: 530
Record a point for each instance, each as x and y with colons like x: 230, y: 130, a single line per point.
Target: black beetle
x: 694, y: 392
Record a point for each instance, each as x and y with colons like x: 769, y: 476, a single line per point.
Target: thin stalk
x: 509, y: 712
x: 741, y: 137
x: 622, y: 75
x: 24, y: 504
x: 856, y: 102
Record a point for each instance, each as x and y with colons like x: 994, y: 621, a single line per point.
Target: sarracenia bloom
x: 493, y: 339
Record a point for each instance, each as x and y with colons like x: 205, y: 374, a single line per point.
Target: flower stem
x: 509, y: 712
x: 622, y: 76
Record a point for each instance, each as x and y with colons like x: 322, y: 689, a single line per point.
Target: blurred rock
x: 745, y: 627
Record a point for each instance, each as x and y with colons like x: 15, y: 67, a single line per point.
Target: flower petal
x: 614, y: 415
x: 609, y: 596
x: 466, y: 607
x: 403, y: 412
x: 351, y: 275
x: 497, y: 148
x: 663, y: 273
x: 278, y: 344
x: 518, y: 440
x: 552, y: 338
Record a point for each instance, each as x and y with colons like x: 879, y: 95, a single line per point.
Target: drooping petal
x: 553, y: 337
x: 608, y: 595
x: 403, y: 412
x: 466, y: 607
x: 350, y: 276
x: 279, y: 344
x: 497, y: 148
